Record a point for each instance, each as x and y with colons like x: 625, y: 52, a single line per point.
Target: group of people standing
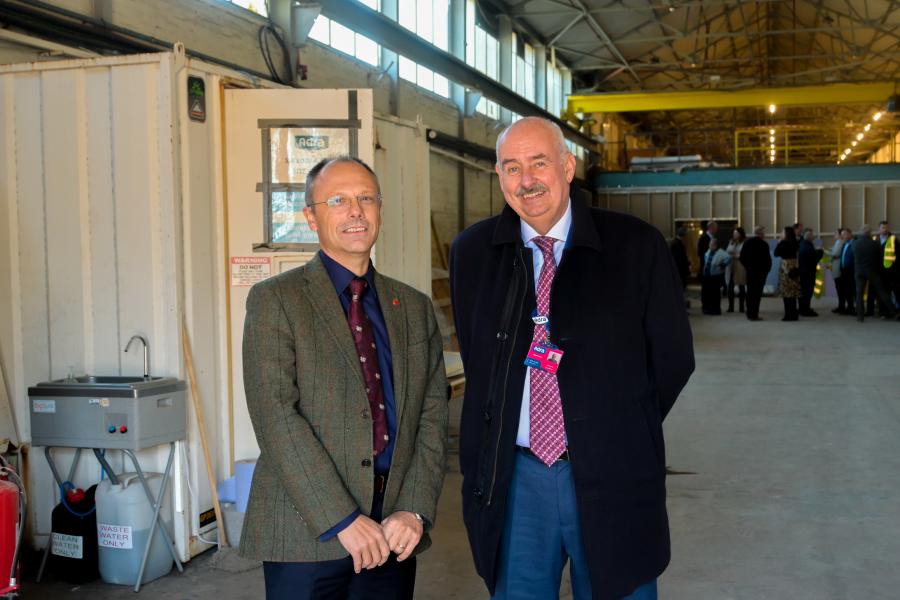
x: 863, y: 266
x: 743, y: 264
x: 865, y: 272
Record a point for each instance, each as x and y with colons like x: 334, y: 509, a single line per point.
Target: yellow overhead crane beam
x: 837, y: 93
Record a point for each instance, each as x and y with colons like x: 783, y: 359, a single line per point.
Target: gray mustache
x: 537, y: 187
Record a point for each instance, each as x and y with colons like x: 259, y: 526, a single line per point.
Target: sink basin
x: 108, y: 385
x: 106, y: 380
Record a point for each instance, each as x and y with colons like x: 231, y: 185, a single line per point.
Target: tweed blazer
x: 311, y: 416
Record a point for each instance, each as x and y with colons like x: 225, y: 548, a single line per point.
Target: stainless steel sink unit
x: 99, y: 411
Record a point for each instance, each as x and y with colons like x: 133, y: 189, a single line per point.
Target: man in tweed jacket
x: 334, y: 512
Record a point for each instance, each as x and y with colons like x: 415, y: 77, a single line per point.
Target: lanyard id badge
x: 545, y: 357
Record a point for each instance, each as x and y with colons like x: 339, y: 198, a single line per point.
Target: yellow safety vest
x: 890, y: 252
x: 819, y: 287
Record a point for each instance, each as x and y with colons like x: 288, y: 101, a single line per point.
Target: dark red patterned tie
x: 364, y: 338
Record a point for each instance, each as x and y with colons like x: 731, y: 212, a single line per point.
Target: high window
x: 430, y: 20
x: 346, y: 40
x: 523, y: 68
x: 483, y: 53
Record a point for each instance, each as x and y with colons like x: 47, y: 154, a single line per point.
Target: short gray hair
x: 865, y: 230
x: 759, y: 229
x: 556, y: 132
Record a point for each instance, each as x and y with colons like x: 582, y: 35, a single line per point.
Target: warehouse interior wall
x: 229, y: 33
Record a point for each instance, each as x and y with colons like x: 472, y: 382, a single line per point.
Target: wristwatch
x: 422, y: 521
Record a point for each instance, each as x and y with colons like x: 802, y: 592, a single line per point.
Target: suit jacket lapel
x: 329, y: 313
x: 395, y: 321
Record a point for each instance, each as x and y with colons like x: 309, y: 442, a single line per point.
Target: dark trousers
x: 335, y: 579
x: 790, y: 309
x: 754, y: 295
x: 876, y: 289
x: 847, y: 287
x: 742, y: 294
x: 885, y: 305
x: 711, y: 294
x: 807, y: 286
x: 841, y: 293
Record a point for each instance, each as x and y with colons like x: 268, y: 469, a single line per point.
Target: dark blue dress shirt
x: 341, y: 278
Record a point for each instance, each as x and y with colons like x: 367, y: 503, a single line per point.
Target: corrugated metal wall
x: 824, y: 207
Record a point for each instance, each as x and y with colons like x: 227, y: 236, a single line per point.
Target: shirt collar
x: 341, y: 276
x: 560, y: 231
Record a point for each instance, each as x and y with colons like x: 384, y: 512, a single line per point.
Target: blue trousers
x: 542, y: 532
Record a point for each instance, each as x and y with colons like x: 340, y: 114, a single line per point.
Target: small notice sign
x: 114, y: 536
x: 248, y: 270
x: 69, y: 546
x: 43, y: 406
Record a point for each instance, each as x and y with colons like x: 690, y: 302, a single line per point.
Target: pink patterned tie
x: 548, y: 432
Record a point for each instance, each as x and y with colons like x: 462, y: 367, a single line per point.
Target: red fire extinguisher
x: 12, y: 521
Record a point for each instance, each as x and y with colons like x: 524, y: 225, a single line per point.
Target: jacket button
x: 367, y: 462
x: 487, y: 416
x: 364, y: 414
x: 502, y: 335
x: 477, y: 493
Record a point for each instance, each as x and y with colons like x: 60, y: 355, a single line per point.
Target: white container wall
x: 91, y: 231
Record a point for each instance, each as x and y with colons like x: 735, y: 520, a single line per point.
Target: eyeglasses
x: 343, y: 203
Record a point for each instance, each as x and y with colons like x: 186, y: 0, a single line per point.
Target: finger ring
x: 401, y: 546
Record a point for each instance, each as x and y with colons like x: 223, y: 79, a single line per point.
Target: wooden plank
x: 9, y: 257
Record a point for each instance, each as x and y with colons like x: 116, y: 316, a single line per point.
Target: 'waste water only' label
x: 114, y: 536
x: 69, y: 546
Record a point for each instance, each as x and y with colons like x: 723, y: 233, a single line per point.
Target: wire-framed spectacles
x: 342, y: 203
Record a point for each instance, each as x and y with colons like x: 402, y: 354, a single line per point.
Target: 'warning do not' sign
x: 248, y: 270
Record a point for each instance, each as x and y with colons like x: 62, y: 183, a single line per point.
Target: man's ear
x: 310, y: 215
x: 571, y: 163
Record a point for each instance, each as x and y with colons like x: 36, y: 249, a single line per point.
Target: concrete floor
x: 786, y: 453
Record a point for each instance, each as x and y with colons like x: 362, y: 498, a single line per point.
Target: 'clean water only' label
x: 114, y: 536
x: 69, y: 546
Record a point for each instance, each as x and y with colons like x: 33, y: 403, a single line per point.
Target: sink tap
x: 143, y: 340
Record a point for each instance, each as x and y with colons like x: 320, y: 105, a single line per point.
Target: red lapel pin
x: 396, y: 302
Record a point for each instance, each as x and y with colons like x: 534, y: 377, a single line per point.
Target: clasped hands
x: 370, y: 544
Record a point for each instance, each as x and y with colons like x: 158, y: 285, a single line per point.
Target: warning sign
x: 247, y: 270
x: 114, y: 536
x: 69, y: 546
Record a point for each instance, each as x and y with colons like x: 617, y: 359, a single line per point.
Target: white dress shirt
x: 559, y: 232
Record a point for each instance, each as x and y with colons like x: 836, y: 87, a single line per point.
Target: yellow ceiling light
x: 771, y: 138
x: 854, y: 143
x: 876, y: 116
x: 867, y: 127
x: 772, y: 109
x: 860, y: 136
x: 846, y: 150
x: 771, y: 132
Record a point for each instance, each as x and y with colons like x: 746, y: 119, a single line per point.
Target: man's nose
x: 527, y: 177
x: 355, y: 207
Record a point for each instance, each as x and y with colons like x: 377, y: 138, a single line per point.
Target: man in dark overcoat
x: 757, y: 260
x: 565, y: 465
